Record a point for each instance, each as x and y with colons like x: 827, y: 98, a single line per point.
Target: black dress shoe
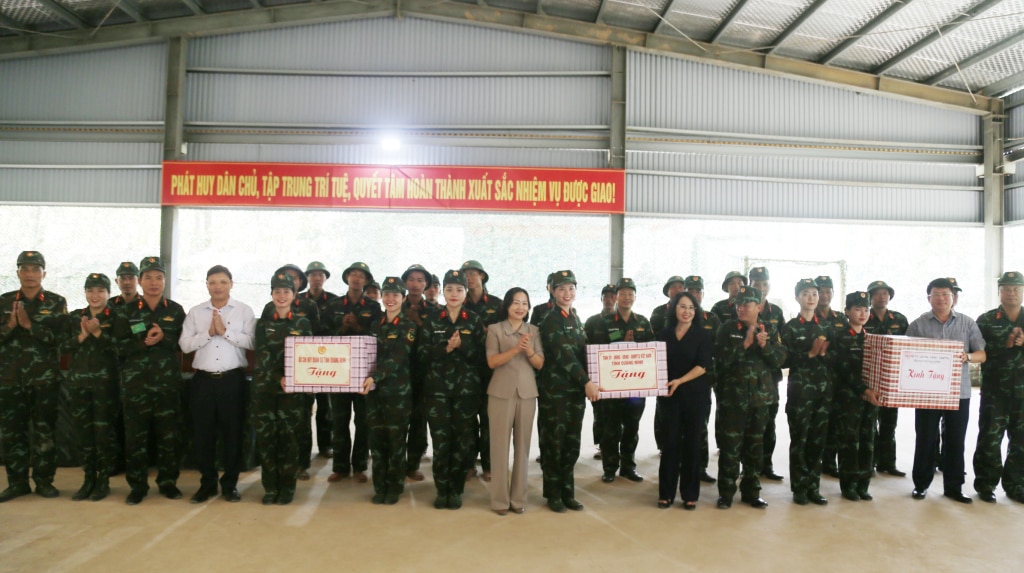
x: 101, y: 491
x: 706, y: 477
x: 770, y: 474
x: 608, y: 477
x: 170, y: 491
x: 202, y: 496
x: 284, y: 498
x: 232, y: 495
x: 919, y: 493
x: 14, y: 491
x: 893, y: 471
x: 987, y: 496
x: 755, y: 502
x: 135, y: 497
x: 816, y: 498
x: 724, y: 502
x: 46, y: 490
x: 454, y: 501
x: 631, y: 475
x: 957, y: 497
x: 864, y: 495
x: 556, y: 505
x: 572, y: 504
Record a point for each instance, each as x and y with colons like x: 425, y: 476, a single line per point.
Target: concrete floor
x: 334, y: 526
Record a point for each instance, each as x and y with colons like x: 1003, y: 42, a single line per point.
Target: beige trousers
x: 511, y: 421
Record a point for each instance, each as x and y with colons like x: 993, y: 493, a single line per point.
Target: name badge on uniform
x: 614, y: 335
x: 138, y: 326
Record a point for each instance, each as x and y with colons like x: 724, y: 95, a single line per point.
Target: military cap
x: 151, y: 264
x: 97, y: 280
x: 302, y: 276
x: 748, y: 294
x: 625, y: 283
x: 608, y: 289
x: 560, y: 278
x: 127, y: 268
x: 859, y: 298
x: 358, y: 267
x: 318, y: 266
x: 955, y: 287
x: 804, y: 284
x: 1011, y: 278
x: 823, y: 281
x: 694, y: 282
x: 31, y: 258
x: 417, y: 268
x: 881, y: 284
x: 393, y: 284
x: 759, y: 274
x: 475, y: 265
x: 372, y: 284
x: 729, y: 277
x: 941, y: 282
x: 670, y: 281
x: 282, y: 279
x: 434, y: 280
x: 551, y: 279
x: 454, y: 277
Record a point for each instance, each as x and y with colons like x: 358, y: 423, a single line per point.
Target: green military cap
x: 551, y: 279
x: 372, y: 284
x: 31, y: 258
x: 953, y: 286
x: 670, y: 281
x: 625, y: 283
x: 694, y: 282
x: 881, y: 284
x: 454, y: 277
x: 560, y: 278
x: 824, y: 281
x: 475, y: 265
x: 859, y: 298
x: 282, y: 279
x: 127, y: 268
x: 358, y: 267
x: 302, y: 276
x: 1011, y: 278
x: 748, y: 294
x: 608, y: 289
x: 97, y: 280
x: 804, y: 284
x: 434, y: 280
x: 414, y: 269
x: 941, y: 282
x: 759, y: 274
x: 393, y: 284
x: 318, y: 266
x: 151, y: 264
x: 729, y: 277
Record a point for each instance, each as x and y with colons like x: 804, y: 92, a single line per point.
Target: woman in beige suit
x: 514, y: 352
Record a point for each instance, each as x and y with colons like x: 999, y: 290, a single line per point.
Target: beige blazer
x: 515, y: 376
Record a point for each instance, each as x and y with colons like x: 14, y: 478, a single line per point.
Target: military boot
x: 102, y: 488
x: 15, y: 490
x: 87, y: 486
x: 46, y: 489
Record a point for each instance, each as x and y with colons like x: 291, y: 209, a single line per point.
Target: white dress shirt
x: 219, y: 353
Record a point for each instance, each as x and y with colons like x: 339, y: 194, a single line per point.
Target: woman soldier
x: 562, y: 388
x: 389, y: 406
x: 93, y: 388
x: 277, y: 415
x: 453, y: 352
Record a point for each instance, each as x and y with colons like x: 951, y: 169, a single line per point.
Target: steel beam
x: 12, y: 25
x: 728, y: 20
x: 1004, y: 86
x: 174, y: 114
x: 63, y: 13
x: 863, y: 31
x: 129, y: 7
x: 195, y: 7
x: 617, y: 158
x: 992, y: 135
x: 803, y: 17
x: 599, y: 19
x: 930, y: 39
x: 995, y: 49
x: 660, y: 28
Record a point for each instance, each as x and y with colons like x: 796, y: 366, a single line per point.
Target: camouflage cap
x: 417, y: 268
x: 302, y: 276
x: 858, y: 298
x: 97, y: 280
x: 941, y: 282
x: 551, y: 279
x: 823, y: 281
x: 282, y: 279
x: 151, y: 264
x: 672, y: 280
x: 475, y: 265
x: 729, y: 277
x: 127, y: 268
x: 454, y: 277
x: 560, y: 278
x: 759, y: 274
x: 31, y: 258
x: 392, y: 284
x: 374, y: 284
x: 953, y: 285
x: 625, y: 283
x: 434, y: 280
x: 694, y: 282
x: 357, y: 267
x: 880, y: 284
x: 804, y: 284
x: 318, y: 266
x: 1011, y: 278
x: 748, y: 294
x: 608, y: 289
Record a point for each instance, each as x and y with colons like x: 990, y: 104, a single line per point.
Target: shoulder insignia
x: 411, y: 335
x: 44, y: 311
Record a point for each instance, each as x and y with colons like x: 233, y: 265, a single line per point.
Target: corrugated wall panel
x: 124, y: 84
x: 81, y: 186
x: 673, y: 93
x: 1014, y: 204
x: 726, y: 198
x: 1013, y: 125
x: 390, y: 45
x: 79, y: 153
x: 397, y: 101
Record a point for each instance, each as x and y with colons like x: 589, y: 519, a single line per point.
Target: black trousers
x: 683, y: 418
x: 926, y: 423
x: 217, y: 407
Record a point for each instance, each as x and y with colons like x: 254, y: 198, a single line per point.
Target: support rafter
x: 930, y: 39
x: 863, y: 31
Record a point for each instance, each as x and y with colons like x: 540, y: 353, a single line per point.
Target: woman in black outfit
x: 689, y: 348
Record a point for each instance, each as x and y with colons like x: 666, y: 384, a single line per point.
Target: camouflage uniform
x: 774, y: 320
x: 857, y: 417
x: 839, y: 323
x: 726, y: 309
x: 591, y: 328
x: 29, y: 386
x: 895, y: 324
x: 487, y: 309
x: 324, y: 421
x: 541, y: 311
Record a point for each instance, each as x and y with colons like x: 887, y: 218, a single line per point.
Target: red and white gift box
x: 912, y: 372
x: 328, y: 363
x: 629, y: 369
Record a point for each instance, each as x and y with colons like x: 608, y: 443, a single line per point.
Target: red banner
x: 311, y: 185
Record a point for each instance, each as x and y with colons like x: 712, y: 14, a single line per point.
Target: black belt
x: 217, y: 375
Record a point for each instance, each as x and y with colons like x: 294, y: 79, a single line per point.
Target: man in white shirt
x: 219, y: 331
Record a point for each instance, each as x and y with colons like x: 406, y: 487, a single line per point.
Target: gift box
x: 629, y: 369
x: 912, y: 372
x: 319, y: 364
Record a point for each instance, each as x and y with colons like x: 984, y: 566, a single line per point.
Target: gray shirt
x: 959, y: 327
x: 517, y: 376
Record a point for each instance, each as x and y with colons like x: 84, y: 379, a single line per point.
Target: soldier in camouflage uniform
x: 694, y: 284
x: 745, y: 355
x: 372, y: 291
x: 809, y: 394
x: 417, y: 308
x: 726, y: 309
x: 885, y: 321
x: 486, y: 307
x: 562, y: 387
x: 146, y: 334
x: 277, y: 415
x: 452, y: 349
x: 771, y: 315
x: 591, y: 327
x: 389, y: 405
x: 93, y: 387
x: 31, y: 325
x: 317, y: 274
x: 540, y: 312
x: 127, y: 279
x: 1002, y: 395
x: 620, y: 417
x: 838, y: 322
x: 673, y: 286
x: 433, y: 290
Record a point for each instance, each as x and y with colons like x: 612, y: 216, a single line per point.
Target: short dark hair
x: 940, y: 283
x: 698, y: 314
x: 507, y: 303
x: 217, y: 269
